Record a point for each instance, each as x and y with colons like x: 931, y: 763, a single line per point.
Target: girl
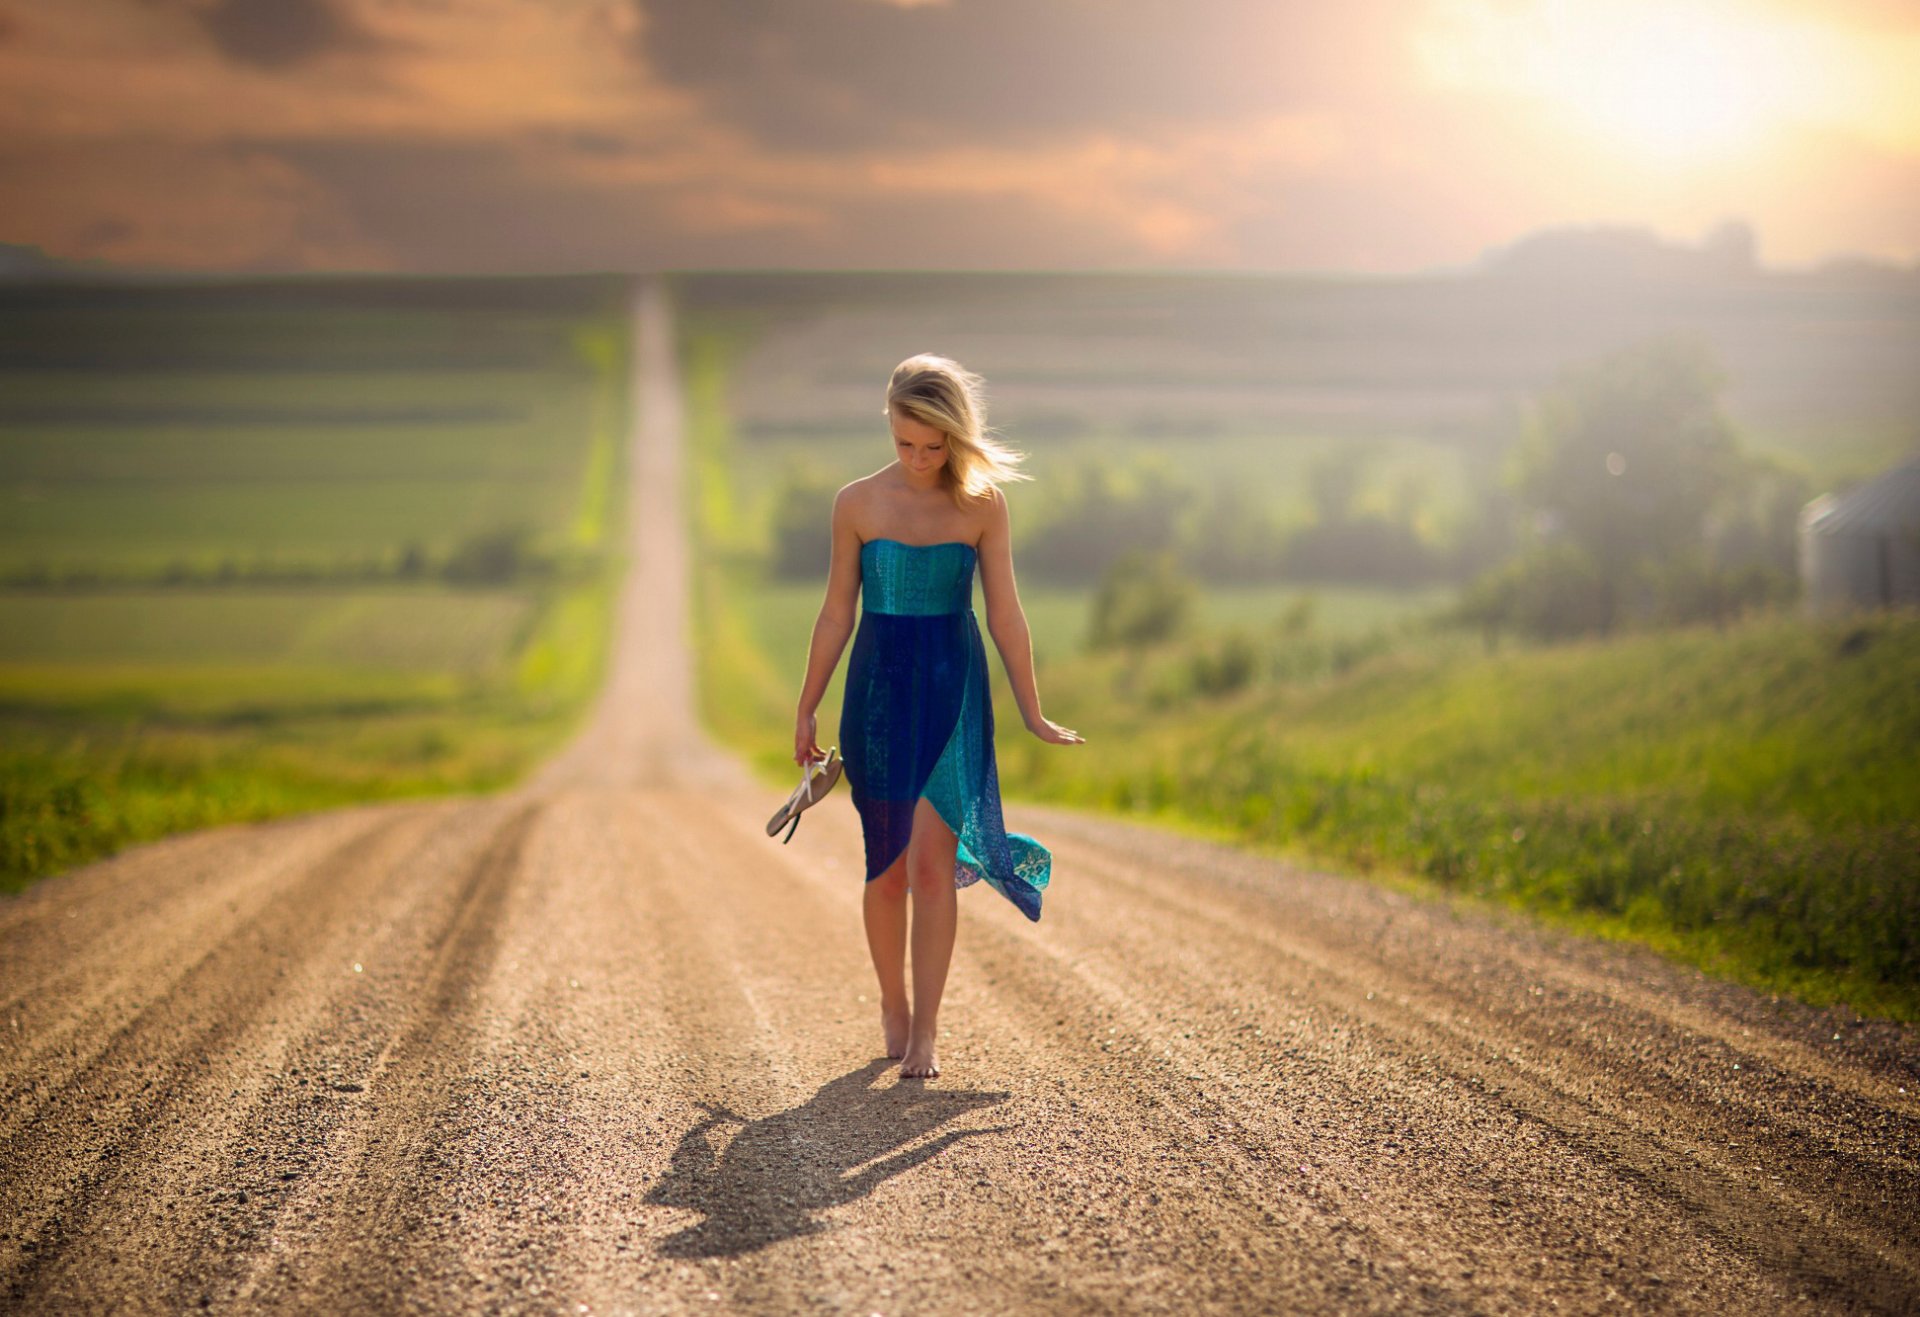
x: 916, y: 725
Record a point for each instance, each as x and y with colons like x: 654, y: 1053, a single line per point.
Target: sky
x: 1367, y: 136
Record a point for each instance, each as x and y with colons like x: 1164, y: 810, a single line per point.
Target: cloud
x: 276, y: 34
x: 835, y: 75
x: 452, y: 206
x: 142, y: 204
x: 126, y: 70
x: 443, y: 206
x: 590, y: 134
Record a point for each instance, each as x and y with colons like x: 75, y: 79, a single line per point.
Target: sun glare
x: 1671, y: 84
x: 1669, y: 80
x: 1667, y: 84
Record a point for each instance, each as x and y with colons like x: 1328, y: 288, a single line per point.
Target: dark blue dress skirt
x: 917, y: 720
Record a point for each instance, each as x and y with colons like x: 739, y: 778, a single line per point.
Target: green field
x: 290, y: 424
x: 1744, y: 798
x: 421, y: 628
x: 247, y: 555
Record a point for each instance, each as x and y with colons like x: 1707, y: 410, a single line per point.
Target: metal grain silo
x: 1861, y: 548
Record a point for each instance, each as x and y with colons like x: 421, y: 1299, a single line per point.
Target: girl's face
x: 921, y: 448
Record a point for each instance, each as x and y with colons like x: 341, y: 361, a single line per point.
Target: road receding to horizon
x: 598, y: 1045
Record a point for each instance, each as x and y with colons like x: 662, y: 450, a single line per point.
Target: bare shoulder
x: 989, y: 513
x: 856, y: 496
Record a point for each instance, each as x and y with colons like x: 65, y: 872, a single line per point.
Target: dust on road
x: 598, y: 1045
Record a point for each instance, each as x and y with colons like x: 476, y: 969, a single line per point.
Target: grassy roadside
x: 101, y: 760
x: 746, y: 692
x: 128, y: 713
x: 1744, y: 800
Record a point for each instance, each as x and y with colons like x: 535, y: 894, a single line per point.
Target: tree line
x: 1624, y: 497
x: 1095, y: 515
x: 495, y: 555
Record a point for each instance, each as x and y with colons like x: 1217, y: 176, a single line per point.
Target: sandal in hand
x: 816, y: 779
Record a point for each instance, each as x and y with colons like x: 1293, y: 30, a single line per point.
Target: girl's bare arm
x: 830, y: 629
x: 1007, y: 623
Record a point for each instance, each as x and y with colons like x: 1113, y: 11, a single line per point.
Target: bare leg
x: 930, y: 876
x: 885, y: 907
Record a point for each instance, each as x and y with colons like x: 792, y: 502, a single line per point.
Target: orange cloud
x: 567, y: 134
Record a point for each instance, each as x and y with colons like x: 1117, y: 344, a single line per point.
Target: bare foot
x: 897, y: 1025
x: 919, y: 1062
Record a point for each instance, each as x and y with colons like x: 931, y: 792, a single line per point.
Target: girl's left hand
x: 806, y: 748
x: 1054, y: 734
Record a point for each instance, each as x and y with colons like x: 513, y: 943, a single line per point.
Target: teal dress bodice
x: 916, y: 580
x: 917, y: 720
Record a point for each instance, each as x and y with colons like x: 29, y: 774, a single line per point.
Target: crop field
x: 192, y: 428
x: 273, y: 546
x: 419, y: 629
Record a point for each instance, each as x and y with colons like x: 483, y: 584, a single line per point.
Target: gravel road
x: 598, y: 1045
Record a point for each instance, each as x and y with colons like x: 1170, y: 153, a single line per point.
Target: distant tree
x: 1097, y: 511
x: 1555, y: 592
x: 1696, y: 589
x: 1143, y: 599
x: 1757, y: 522
x: 1227, y: 666
x: 1333, y: 481
x: 1484, y: 533
x: 490, y: 557
x: 1233, y: 536
x: 1368, y: 549
x: 1626, y: 457
x: 413, y: 561
x: 1343, y: 544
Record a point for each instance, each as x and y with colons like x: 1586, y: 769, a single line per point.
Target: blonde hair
x: 940, y: 392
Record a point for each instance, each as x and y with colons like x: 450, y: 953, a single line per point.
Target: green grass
x: 746, y: 683
x: 98, y: 755
x: 1745, y: 799
x: 321, y: 424
x: 417, y: 628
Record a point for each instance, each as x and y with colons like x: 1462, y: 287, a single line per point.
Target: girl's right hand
x: 1054, y: 734
x: 806, y: 748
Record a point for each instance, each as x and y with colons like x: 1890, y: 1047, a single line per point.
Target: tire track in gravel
x: 69, y: 973
x: 245, y: 1072
x: 406, y: 1082
x: 90, y: 1118
x: 597, y: 1045
x: 1556, y: 1084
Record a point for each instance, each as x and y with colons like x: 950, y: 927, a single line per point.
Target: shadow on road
x: 778, y: 1171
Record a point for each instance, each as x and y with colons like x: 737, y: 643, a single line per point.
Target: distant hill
x: 1597, y: 253
x: 18, y: 261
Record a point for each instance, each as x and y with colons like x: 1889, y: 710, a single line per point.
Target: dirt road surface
x: 598, y: 1045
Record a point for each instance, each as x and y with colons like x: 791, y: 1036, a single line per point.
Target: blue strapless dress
x: 917, y: 719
